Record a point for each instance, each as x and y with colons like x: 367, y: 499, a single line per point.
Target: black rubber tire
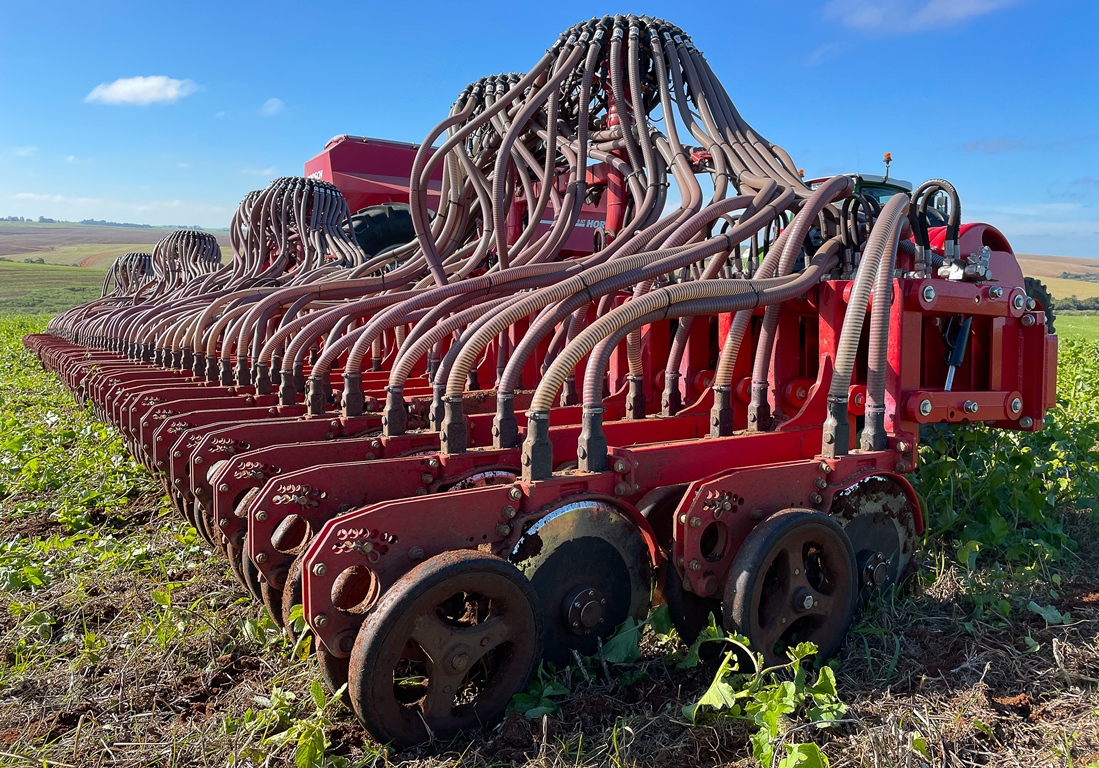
x: 1037, y: 290
x: 291, y: 595
x: 380, y: 228
x: 333, y: 670
x: 251, y: 574
x: 386, y: 637
x: 757, y: 569
x: 690, y: 614
x: 658, y: 507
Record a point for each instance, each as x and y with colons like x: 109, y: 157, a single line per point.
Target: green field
x: 81, y: 245
x: 26, y: 288
x: 1085, y: 327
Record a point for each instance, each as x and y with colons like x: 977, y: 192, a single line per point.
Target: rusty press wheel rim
x: 793, y: 581
x: 445, y: 649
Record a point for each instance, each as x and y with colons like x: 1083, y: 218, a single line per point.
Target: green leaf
x: 967, y: 554
x: 826, y: 683
x: 162, y: 598
x: 623, y: 647
x: 919, y: 743
x: 661, y: 620
x: 720, y: 695
x: 803, y: 756
x: 1049, y: 613
x: 317, y: 691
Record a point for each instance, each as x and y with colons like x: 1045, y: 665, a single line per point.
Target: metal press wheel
x: 794, y: 580
x: 591, y: 568
x: 445, y: 649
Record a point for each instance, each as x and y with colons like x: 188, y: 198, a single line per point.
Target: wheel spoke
x: 771, y: 632
x: 437, y: 637
x: 822, y: 604
x: 442, y: 687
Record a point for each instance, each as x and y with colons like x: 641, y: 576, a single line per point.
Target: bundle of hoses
x: 300, y: 301
x: 127, y: 274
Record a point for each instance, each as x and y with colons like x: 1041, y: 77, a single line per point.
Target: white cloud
x: 260, y: 171
x: 142, y: 91
x: 70, y: 158
x: 892, y: 17
x: 272, y: 107
x: 24, y: 151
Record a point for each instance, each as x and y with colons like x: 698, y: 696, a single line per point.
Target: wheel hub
x: 803, y: 600
x: 584, y: 609
x: 876, y: 571
x: 459, y: 658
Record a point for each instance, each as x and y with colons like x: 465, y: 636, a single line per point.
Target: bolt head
x: 620, y: 467
x: 261, y: 515
x: 508, y: 511
x: 223, y: 488
x: 925, y: 407
x: 929, y: 293
x: 903, y: 447
x: 198, y: 459
x: 1026, y: 422
x: 695, y: 565
x: 1019, y: 301
x: 970, y: 406
x: 807, y: 602
x: 223, y: 522
x: 416, y: 553
x: 319, y: 569
x: 261, y: 557
x: 427, y: 477
x: 1016, y: 405
x: 515, y: 494
x: 503, y: 529
x: 320, y: 620
x: 433, y: 463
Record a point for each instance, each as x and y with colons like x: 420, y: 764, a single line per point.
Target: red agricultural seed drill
x: 528, y: 390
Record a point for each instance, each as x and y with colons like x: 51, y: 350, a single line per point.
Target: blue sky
x: 999, y: 96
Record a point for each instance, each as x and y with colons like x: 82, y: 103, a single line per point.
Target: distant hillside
x: 1049, y: 269
x: 82, y: 245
